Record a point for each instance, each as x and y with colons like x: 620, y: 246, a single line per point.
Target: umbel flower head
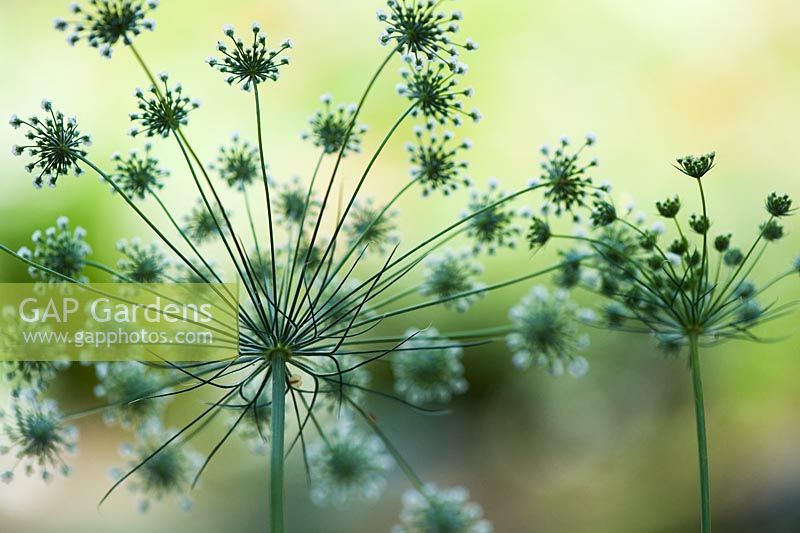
x: 203, y: 225
x: 162, y: 110
x: 451, y: 277
x: 293, y: 202
x: 545, y: 331
x: 141, y: 264
x: 565, y: 179
x: 35, y: 434
x: 238, y: 163
x: 333, y: 128
x: 421, y: 33
x: 435, y: 95
x: 348, y: 465
x: 696, y: 166
x: 127, y: 386
x: 696, y: 286
x: 158, y: 470
x: 103, y: 23
x: 249, y: 65
x: 492, y: 225
x: 55, y: 145
x: 428, y: 368
x: 371, y: 225
x: 59, y: 249
x: 138, y: 175
x: 435, y: 160
x: 432, y: 510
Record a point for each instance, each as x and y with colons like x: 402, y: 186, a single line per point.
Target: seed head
x: 539, y: 233
x: 565, y: 179
x: 450, y: 275
x: 669, y: 208
x: 58, y: 249
x: 771, y: 230
x: 139, y: 175
x: 203, y: 226
x: 700, y: 224
x: 779, y: 205
x: 332, y: 127
x: 603, y: 214
x: 35, y: 434
x: 722, y: 243
x: 293, y: 202
x: 696, y: 166
x: 249, y: 65
x: 435, y: 160
x: 103, y: 23
x: 123, y: 385
x: 168, y: 472
x: 141, y: 264
x: 421, y: 33
x: 428, y: 368
x: 433, y: 90
x: 348, y: 465
x: 440, y: 510
x: 367, y: 224
x: 55, y: 145
x: 238, y: 164
x: 545, y: 332
x: 493, y: 226
x: 733, y: 257
x: 162, y: 109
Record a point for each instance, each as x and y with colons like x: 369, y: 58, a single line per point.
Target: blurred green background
x: 611, y: 452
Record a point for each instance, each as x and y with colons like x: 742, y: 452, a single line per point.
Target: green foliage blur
x: 611, y: 452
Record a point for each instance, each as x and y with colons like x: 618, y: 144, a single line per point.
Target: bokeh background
x: 611, y: 452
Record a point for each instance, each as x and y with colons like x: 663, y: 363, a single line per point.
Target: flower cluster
x: 103, y: 23
x: 421, y: 33
x: 162, y: 110
x: 141, y: 264
x: 249, y: 65
x: 433, y: 509
x: 434, y: 94
x: 428, y: 368
x: 334, y: 129
x: 138, y: 175
x: 492, y: 224
x: 546, y: 332
x: 238, y: 163
x: 435, y: 160
x: 348, y: 465
x: 36, y: 435
x: 565, y: 179
x: 159, y: 470
x: 61, y: 251
x: 450, y: 277
x: 56, y: 145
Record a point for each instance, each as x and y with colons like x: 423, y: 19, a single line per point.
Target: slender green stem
x: 702, y: 450
x: 276, y: 451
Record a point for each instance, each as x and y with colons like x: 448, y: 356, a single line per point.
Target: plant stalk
x: 702, y: 449
x: 276, y: 473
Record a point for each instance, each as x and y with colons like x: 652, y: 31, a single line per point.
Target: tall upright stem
x: 276, y: 449
x: 702, y: 450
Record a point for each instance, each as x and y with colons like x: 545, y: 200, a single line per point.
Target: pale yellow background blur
x: 612, y: 452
